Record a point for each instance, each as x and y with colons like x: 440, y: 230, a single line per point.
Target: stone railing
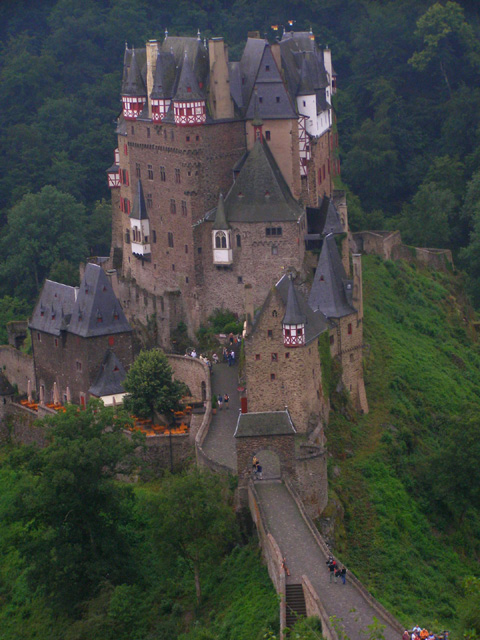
x: 315, y: 607
x: 366, y: 595
x: 271, y: 553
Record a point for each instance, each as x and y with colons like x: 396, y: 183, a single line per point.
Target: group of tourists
x: 423, y: 634
x: 223, y: 400
x: 336, y: 570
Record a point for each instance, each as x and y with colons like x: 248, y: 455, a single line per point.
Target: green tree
x: 42, y: 229
x: 79, y: 518
x: 99, y: 228
x: 193, y: 522
x: 12, y: 309
x: 445, y: 35
x: 150, y: 386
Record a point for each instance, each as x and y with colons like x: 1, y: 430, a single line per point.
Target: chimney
x: 357, y: 284
x: 221, y: 103
x: 248, y: 309
x: 152, y: 53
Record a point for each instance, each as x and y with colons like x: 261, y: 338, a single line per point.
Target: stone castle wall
x: 18, y: 367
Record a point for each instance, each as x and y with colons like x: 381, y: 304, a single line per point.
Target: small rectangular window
x: 39, y: 337
x: 257, y: 356
x: 274, y: 357
x: 148, y: 132
x: 186, y: 248
x: 173, y: 206
x: 150, y: 171
x: 154, y: 236
x: 56, y: 342
x: 268, y: 231
x: 239, y: 241
x: 267, y: 135
x: 277, y: 99
x: 177, y: 176
x: 272, y: 377
x: 170, y: 239
x: 78, y: 365
x: 199, y: 250
x: 274, y: 251
x: 349, y: 328
x: 287, y: 355
x: 240, y: 280
x: 137, y: 170
x: 163, y: 175
x: 133, y: 130
x: 184, y: 208
x: 149, y: 200
x: 173, y: 267
x: 269, y: 333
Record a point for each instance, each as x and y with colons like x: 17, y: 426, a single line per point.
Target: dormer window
x: 189, y: 89
x: 220, y: 240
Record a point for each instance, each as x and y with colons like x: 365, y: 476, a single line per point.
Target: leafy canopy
x: 150, y: 386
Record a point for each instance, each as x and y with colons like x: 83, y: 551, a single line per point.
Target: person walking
x: 331, y: 564
x: 343, y: 575
x: 220, y: 402
x: 226, y: 399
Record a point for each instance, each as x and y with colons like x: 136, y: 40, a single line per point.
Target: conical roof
x: 134, y: 84
x: 331, y: 289
x: 260, y: 193
x: 293, y: 313
x: 139, y: 210
x: 220, y: 219
x: 188, y: 89
x: 110, y: 377
x: 164, y: 79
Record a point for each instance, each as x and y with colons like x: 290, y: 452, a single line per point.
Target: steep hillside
x: 407, y: 473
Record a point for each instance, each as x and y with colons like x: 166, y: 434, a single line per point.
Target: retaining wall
x: 18, y: 367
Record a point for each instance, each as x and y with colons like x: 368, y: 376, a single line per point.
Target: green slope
x: 400, y: 534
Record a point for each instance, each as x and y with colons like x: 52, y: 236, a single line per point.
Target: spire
x: 293, y: 314
x: 139, y: 210
x: 134, y: 85
x: 220, y: 219
x: 188, y: 89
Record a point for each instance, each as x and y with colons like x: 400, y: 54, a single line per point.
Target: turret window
x: 127, y: 236
x: 274, y: 357
x: 349, y: 328
x: 267, y: 135
x: 220, y: 240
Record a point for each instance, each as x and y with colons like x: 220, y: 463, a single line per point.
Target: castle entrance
x: 270, y: 462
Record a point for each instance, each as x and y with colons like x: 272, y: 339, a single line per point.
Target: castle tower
x: 140, y: 225
x: 162, y: 86
x: 189, y: 101
x: 134, y: 93
x: 293, y: 323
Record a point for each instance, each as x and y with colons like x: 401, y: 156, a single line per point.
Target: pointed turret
x: 189, y: 100
x: 134, y: 93
x: 140, y: 224
x: 163, y: 81
x: 221, y: 240
x: 294, y: 320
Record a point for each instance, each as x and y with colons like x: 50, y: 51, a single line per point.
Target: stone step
x: 295, y: 601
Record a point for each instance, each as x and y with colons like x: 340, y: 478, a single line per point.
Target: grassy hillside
x: 404, y: 473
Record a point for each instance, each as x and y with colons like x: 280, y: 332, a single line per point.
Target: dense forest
x: 408, y: 110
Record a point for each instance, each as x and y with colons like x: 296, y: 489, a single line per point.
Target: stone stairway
x: 295, y: 601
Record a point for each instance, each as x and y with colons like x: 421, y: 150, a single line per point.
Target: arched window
x: 274, y: 313
x: 239, y: 240
x: 220, y: 240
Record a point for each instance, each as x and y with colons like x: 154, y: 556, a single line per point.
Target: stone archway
x: 270, y: 463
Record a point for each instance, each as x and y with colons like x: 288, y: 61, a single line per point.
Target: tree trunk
x: 445, y: 77
x: 196, y: 572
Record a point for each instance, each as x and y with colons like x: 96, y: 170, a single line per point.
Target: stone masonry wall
x: 278, y: 376
x: 192, y: 371
x: 18, y: 367
x: 259, y: 260
x: 283, y: 446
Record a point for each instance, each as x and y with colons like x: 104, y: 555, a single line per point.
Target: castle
x: 222, y: 197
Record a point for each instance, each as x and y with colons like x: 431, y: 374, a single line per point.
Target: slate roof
x: 268, y: 423
x: 165, y: 76
x: 139, y: 209
x: 260, y: 193
x: 54, y: 308
x: 273, y: 99
x: 315, y: 321
x: 110, y: 377
x: 96, y: 311
x: 251, y: 58
x: 325, y: 219
x: 188, y: 88
x: 293, y: 313
x: 220, y: 222
x: 331, y: 291
x: 302, y: 63
x: 134, y: 73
